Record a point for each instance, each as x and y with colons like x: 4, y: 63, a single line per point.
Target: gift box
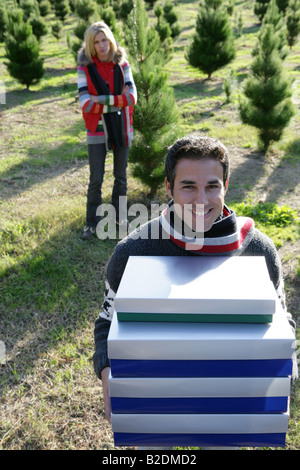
x: 204, y: 430
x: 196, y: 289
x: 199, y: 395
x: 163, y: 349
x: 201, y: 354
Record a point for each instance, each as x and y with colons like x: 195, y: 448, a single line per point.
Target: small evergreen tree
x: 171, y: 18
x: 293, y: 22
x: 22, y: 51
x: 274, y: 17
x: 282, y: 5
x: 29, y: 7
x: 260, y: 8
x: 108, y: 15
x: 45, y: 7
x: 230, y: 84
x: 3, y: 22
x: 61, y: 8
x: 125, y: 9
x: 267, y: 104
x: 39, y: 27
x: 165, y: 33
x: 84, y: 9
x: 213, y: 42
x: 150, y: 3
x: 57, y: 29
x: 155, y: 114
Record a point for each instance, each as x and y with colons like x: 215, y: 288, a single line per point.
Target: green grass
x: 52, y: 283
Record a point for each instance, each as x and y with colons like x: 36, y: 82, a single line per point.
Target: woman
x: 107, y: 94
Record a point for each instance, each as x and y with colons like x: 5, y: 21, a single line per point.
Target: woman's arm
x: 87, y: 102
x: 128, y: 95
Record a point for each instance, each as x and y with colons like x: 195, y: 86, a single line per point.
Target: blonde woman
x: 107, y: 94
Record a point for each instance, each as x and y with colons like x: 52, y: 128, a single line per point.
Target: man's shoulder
x: 262, y: 245
x: 261, y: 242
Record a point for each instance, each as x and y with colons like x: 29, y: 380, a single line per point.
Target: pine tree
x: 293, y: 21
x: 45, y: 7
x: 29, y: 7
x: 282, y: 5
x: 3, y: 22
x: 260, y: 8
x: 274, y: 17
x: 165, y: 33
x: 56, y: 29
x: 212, y: 46
x: 171, y: 18
x: 39, y: 27
x: 267, y: 104
x: 22, y: 51
x: 61, y: 8
x: 83, y: 9
x: 155, y: 114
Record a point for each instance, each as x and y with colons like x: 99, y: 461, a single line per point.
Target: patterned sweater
x: 229, y: 236
x: 93, y: 111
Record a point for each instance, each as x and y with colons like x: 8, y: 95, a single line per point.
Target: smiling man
x: 196, y: 222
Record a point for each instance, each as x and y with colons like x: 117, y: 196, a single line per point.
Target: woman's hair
x: 195, y: 148
x: 89, y: 36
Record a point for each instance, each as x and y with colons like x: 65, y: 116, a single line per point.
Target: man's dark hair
x: 195, y: 147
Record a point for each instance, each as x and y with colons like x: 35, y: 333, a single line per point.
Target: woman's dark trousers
x: 97, y: 155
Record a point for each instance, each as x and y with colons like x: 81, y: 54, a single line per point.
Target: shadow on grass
x: 202, y: 88
x: 244, y: 176
x: 43, y: 162
x: 23, y: 96
x: 55, y: 290
x: 285, y: 176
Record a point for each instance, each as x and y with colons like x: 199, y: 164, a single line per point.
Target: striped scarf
x: 114, y: 122
x: 226, y: 237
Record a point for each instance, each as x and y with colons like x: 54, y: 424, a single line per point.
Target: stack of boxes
x: 201, y: 354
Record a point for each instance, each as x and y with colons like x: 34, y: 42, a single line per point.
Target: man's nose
x: 201, y: 197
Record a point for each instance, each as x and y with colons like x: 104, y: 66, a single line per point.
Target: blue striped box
x: 178, y: 379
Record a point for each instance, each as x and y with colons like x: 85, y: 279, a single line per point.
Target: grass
x: 52, y: 283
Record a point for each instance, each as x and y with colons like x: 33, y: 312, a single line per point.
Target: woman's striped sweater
x: 93, y: 111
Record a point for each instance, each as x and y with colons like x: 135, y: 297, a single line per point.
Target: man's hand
x: 106, y: 397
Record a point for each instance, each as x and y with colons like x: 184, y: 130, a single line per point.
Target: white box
x: 196, y: 285
x: 201, y: 341
x: 199, y: 387
x: 200, y: 423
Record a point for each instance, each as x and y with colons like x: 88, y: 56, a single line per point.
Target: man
x: 196, y: 223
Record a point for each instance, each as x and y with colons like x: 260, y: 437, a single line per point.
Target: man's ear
x: 168, y: 188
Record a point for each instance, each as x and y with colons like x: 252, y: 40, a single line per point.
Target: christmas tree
x: 22, y: 51
x: 61, y: 8
x: 275, y: 17
x: 212, y: 46
x: 293, y: 21
x: 3, y: 22
x: 155, y: 114
x: 260, y: 8
x: 267, y: 104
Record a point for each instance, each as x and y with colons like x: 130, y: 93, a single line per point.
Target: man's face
x: 199, y: 187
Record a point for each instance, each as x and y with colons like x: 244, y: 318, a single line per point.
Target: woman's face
x: 102, y: 46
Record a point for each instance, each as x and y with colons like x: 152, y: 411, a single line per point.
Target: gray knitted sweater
x: 230, y: 236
